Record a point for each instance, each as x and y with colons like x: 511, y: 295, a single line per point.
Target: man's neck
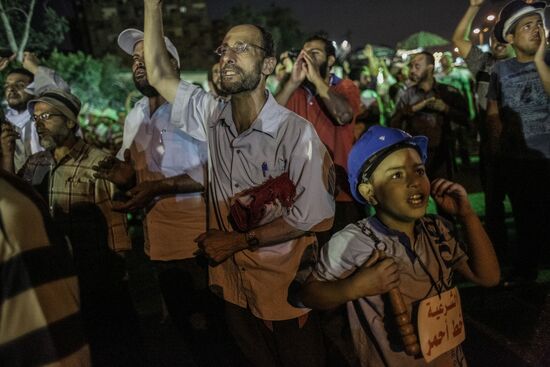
x: 523, y: 57
x: 64, y: 149
x: 246, y: 107
x: 155, y: 103
x: 427, y: 85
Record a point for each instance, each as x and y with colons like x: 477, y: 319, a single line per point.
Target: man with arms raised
x: 252, y: 139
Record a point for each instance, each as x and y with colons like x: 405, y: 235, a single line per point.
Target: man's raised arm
x: 461, y: 34
x: 160, y: 73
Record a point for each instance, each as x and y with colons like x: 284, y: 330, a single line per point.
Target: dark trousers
x: 527, y: 185
x: 280, y: 344
x: 492, y: 176
x: 196, y: 312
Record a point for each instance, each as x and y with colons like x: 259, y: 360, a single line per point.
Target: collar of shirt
x: 401, y: 236
x: 76, y: 153
x: 18, y: 119
x: 267, y: 122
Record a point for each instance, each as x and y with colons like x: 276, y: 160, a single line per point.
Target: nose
x: 226, y: 58
x: 413, y: 180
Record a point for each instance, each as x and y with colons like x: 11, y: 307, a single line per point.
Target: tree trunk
x: 26, y: 31
x: 8, y: 28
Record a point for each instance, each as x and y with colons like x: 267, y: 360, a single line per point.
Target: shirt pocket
x: 81, y: 190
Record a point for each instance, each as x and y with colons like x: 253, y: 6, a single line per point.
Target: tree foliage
x: 280, y: 21
x: 27, y: 27
x: 100, y: 83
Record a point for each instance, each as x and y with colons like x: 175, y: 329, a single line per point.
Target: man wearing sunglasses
x: 81, y: 205
x: 252, y: 139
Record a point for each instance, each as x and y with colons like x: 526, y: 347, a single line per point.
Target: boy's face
x: 400, y: 188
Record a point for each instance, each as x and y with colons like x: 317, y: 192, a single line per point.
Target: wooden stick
x: 403, y: 321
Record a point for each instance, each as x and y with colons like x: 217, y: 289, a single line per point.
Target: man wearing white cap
x: 518, y: 121
x: 163, y: 168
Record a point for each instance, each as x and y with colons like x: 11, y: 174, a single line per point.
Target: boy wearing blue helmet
x: 401, y: 247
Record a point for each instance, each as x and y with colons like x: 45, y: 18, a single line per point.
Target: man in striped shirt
x: 39, y: 307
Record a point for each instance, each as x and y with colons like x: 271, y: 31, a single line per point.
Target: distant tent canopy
x: 422, y: 40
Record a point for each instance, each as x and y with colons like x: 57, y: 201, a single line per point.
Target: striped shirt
x: 80, y: 203
x: 39, y: 304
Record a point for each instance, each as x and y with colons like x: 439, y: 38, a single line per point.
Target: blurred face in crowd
x: 499, y: 50
x: 14, y: 91
x: 140, y: 73
x: 446, y: 62
x: 419, y: 69
x: 52, y: 126
x: 316, y: 49
x: 525, y: 37
x: 242, y: 60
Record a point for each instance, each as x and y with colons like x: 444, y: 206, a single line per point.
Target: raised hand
x: 542, y: 46
x: 311, y: 68
x: 451, y: 197
x: 377, y: 276
x: 299, y: 70
x: 121, y: 173
x: 30, y: 62
x: 5, y: 61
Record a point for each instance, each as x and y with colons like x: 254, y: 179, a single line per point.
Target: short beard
x: 145, y: 88
x: 48, y: 142
x: 19, y: 107
x: 250, y: 81
x: 323, y: 69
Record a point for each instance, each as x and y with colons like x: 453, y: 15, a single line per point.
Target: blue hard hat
x: 377, y: 140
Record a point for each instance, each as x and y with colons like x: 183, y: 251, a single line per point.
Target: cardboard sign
x: 440, y: 324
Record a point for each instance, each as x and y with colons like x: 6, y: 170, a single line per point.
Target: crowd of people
x: 286, y: 228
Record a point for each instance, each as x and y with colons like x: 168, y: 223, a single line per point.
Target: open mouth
x: 416, y: 199
x: 229, y: 72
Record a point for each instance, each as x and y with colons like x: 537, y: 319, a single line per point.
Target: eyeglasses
x: 238, y: 48
x: 45, y: 116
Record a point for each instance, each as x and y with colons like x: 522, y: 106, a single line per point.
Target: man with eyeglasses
x: 82, y: 206
x: 252, y: 141
x: 20, y: 86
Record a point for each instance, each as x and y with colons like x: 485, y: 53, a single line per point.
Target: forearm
x: 494, y: 126
x: 46, y: 78
x: 275, y: 232
x: 7, y: 162
x: 181, y: 184
x: 326, y: 295
x: 160, y: 72
x: 286, y: 92
x: 461, y: 34
x: 337, y: 105
x: 483, y: 262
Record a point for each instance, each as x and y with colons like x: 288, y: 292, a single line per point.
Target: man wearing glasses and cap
x: 82, y: 206
x: 518, y: 121
x: 162, y: 170
x: 258, y: 250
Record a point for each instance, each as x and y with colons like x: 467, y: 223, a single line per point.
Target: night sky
x: 381, y: 22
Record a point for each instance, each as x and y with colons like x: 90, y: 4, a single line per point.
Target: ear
x: 70, y: 124
x: 330, y: 61
x: 174, y: 64
x: 367, y: 192
x: 268, y: 65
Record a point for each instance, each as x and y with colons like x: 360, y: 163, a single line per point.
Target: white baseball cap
x: 128, y: 38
